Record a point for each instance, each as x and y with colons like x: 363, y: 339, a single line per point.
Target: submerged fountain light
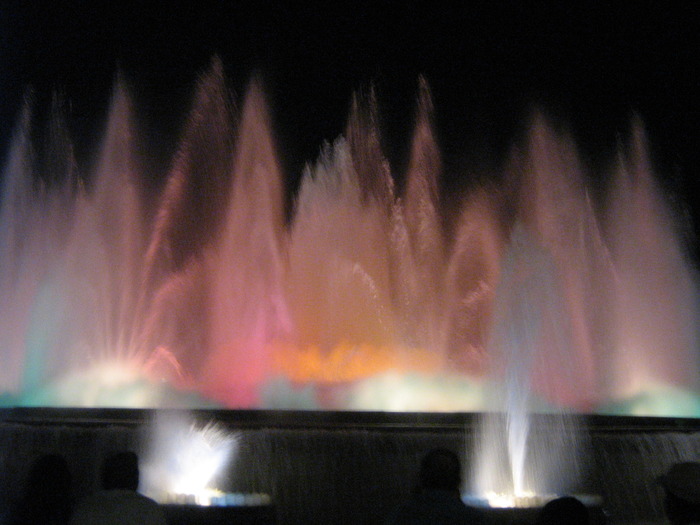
x: 113, y: 383
x: 502, y: 500
x: 525, y: 500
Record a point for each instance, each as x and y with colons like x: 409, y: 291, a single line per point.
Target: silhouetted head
x: 47, y: 494
x: 121, y: 471
x: 682, y: 486
x: 440, y: 469
x: 49, y: 478
x: 565, y: 510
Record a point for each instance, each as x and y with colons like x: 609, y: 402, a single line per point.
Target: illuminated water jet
x: 362, y: 284
x: 536, y: 297
x: 185, y: 461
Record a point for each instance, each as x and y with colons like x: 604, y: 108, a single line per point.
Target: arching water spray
x: 186, y: 461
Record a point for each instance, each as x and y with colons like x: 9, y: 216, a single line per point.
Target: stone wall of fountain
x: 335, y: 467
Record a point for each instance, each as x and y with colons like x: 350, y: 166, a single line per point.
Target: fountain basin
x: 525, y: 509
x: 181, y: 514
x: 215, y: 498
x: 283, y: 453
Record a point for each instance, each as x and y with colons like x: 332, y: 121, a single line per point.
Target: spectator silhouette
x: 436, y: 500
x: 566, y: 510
x: 682, y: 490
x: 118, y: 502
x: 47, y: 498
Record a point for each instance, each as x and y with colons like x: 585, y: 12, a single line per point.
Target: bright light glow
x: 348, y: 362
x: 656, y: 399
x: 399, y: 391
x: 501, y: 500
x: 115, y: 383
x: 216, y: 498
x: 524, y: 499
x: 130, y: 380
x: 186, y: 458
x: 204, y: 498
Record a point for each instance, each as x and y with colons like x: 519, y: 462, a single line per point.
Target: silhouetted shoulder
x: 118, y: 507
x: 435, y: 507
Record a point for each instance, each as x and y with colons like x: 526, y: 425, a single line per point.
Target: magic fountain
x: 535, y: 296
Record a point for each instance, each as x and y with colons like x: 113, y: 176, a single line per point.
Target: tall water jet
x: 338, y: 253
x: 85, y: 311
x: 189, y: 210
x: 555, y: 205
x: 417, y: 238
x: 35, y: 215
x: 248, y: 309
x: 471, y: 276
x: 655, y: 358
x: 189, y: 220
x: 339, y: 262
x: 513, y: 462
x: 547, y: 326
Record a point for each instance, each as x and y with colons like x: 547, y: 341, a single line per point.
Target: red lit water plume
x: 368, y: 296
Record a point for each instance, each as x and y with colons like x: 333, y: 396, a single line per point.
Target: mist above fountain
x: 368, y: 297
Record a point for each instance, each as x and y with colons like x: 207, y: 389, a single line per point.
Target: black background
x: 591, y: 67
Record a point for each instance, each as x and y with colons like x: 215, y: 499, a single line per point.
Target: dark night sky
x: 487, y: 63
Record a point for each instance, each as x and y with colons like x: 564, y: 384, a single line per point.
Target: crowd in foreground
x: 436, y: 500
